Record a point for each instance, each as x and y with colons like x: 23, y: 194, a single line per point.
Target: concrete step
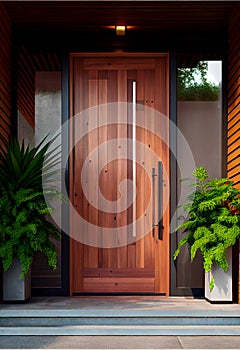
x: 119, y: 322
x: 107, y: 321
x: 122, y: 331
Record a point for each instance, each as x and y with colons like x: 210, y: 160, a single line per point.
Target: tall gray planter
x: 14, y: 288
x: 222, y: 291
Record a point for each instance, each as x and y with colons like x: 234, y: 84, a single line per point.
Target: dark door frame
x: 64, y: 289
x: 174, y: 290
x: 65, y: 262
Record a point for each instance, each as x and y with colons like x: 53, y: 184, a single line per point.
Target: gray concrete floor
x: 119, y: 303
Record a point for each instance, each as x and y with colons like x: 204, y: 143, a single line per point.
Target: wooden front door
x: 114, y: 135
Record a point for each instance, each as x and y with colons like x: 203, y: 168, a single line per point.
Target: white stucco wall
x: 200, y: 123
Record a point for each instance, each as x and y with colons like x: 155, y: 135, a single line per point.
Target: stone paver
x: 203, y: 342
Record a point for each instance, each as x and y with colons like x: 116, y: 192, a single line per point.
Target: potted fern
x: 213, y: 227
x: 24, y: 227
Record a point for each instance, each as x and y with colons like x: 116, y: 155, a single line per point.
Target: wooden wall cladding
x: 5, y: 74
x: 233, y: 161
x: 155, y: 15
x: 28, y: 63
x: 5, y: 85
x: 233, y: 157
x: 26, y: 86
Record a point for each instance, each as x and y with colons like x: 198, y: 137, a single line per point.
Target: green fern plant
x: 213, y: 220
x: 24, y: 227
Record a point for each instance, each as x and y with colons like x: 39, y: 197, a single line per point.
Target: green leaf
x: 200, y: 174
x: 23, y: 212
x: 213, y: 221
x: 211, y: 284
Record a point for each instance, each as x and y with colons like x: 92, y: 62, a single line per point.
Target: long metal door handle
x: 153, y: 201
x: 157, y: 208
x: 134, y: 155
x: 160, y: 200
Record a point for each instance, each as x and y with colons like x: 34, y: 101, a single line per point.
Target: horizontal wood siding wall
x: 234, y: 98
x: 27, y: 64
x: 26, y: 86
x: 5, y: 85
x: 233, y: 157
x: 5, y: 74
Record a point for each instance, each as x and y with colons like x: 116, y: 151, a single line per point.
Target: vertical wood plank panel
x: 76, y: 197
x: 112, y: 166
x: 122, y: 166
x: 149, y: 142
x: 85, y: 153
x: 131, y: 76
x: 140, y: 133
x: 102, y: 135
x: 93, y: 164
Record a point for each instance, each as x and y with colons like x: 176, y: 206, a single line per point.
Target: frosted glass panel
x: 47, y: 121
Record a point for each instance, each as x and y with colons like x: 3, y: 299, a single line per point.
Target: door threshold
x: 117, y: 294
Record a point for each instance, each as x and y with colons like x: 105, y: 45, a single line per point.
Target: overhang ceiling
x: 140, y: 15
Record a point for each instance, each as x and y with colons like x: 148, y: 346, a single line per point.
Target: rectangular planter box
x: 14, y: 288
x: 222, y: 291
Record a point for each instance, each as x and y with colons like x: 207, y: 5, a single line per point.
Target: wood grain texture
x: 233, y: 142
x: 119, y: 285
x: 152, y: 15
x: 5, y: 74
x: 116, y: 272
x: 141, y: 266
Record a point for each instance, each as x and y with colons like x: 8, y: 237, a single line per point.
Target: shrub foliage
x: 213, y: 220
x: 24, y: 227
x: 190, y: 89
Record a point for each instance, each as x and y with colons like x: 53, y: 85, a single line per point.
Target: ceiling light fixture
x: 120, y: 30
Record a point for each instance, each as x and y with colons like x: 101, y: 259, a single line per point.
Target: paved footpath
x: 117, y: 342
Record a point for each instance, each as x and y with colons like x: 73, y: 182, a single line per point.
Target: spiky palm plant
x: 24, y: 228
